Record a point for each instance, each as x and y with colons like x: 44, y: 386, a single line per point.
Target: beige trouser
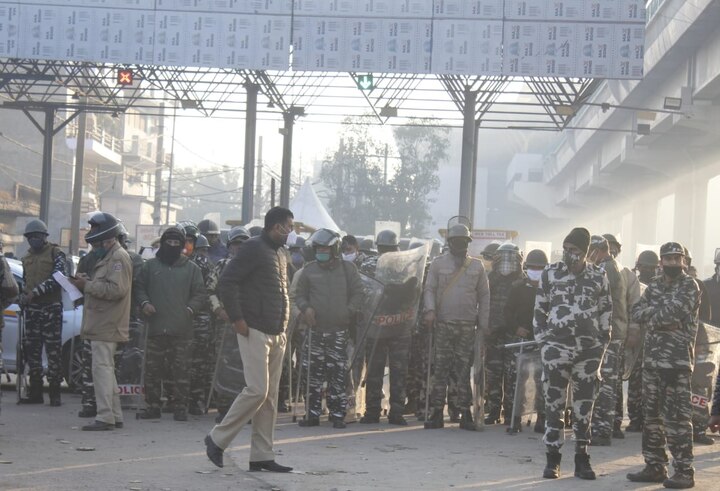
x: 107, y: 396
x: 262, y: 357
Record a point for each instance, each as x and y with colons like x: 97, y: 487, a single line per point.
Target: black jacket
x: 520, y: 308
x: 254, y: 286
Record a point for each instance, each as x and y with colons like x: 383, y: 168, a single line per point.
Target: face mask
x: 297, y: 260
x: 36, y: 243
x: 571, y: 259
x: 458, y: 248
x: 507, y: 266
x: 534, y: 275
x: 99, y: 251
x: 350, y: 257
x: 672, y: 271
x: 169, y: 254
x: 322, y: 257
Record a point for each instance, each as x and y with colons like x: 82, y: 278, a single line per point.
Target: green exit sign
x: 365, y: 82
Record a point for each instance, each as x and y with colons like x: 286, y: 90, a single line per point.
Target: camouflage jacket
x: 209, y: 277
x: 669, y: 312
x: 368, y: 266
x: 573, y: 310
x: 500, y: 287
x: 212, y: 282
x: 618, y: 292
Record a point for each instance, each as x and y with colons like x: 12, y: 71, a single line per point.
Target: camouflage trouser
x: 417, y: 368
x: 603, y: 417
x: 397, y: 351
x: 563, y: 366
x: 328, y: 363
x: 619, y: 391
x: 203, y: 359
x: 87, y: 389
x: 494, y: 376
x: 43, y: 327
x: 668, y: 417
x: 635, y: 393
x: 453, y: 351
x: 167, y: 356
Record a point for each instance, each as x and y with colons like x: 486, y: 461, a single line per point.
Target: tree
x: 421, y: 149
x: 355, y: 180
x: 355, y: 177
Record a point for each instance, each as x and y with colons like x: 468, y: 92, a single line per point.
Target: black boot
x: 650, y: 473
x: 370, y: 418
x: 396, y: 419
x: 552, y: 468
x: 195, y: 409
x: 680, y: 480
x: 540, y: 424
x: 54, y: 393
x: 435, y: 421
x: 582, y: 467
x: 35, y: 395
x: 466, y: 421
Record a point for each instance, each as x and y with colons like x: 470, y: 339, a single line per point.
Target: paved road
x: 40, y: 450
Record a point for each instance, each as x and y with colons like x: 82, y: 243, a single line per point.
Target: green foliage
x: 356, y: 180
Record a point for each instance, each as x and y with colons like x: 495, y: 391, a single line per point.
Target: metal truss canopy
x: 398, y: 99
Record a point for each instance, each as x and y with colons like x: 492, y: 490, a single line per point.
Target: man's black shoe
x: 180, y: 414
x: 396, y: 419
x: 369, y: 419
x: 150, y: 413
x: 268, y: 465
x: 195, y: 409
x: 98, y: 426
x: 305, y: 423
x: 87, y: 412
x: 214, y: 453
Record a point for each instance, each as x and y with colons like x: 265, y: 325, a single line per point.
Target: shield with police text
x: 401, y: 274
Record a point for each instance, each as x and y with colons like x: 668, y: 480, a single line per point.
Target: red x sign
x: 125, y: 77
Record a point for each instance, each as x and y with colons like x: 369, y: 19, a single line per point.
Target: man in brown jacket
x: 106, y: 316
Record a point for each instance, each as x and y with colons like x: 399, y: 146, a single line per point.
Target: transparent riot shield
x: 356, y: 347
x: 401, y: 274
x: 130, y: 366
x: 707, y: 359
x: 527, y: 397
x: 229, y: 377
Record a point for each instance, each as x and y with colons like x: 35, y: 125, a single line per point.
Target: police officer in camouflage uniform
x: 170, y: 290
x: 329, y: 294
x: 632, y: 296
x: 646, y: 268
x: 507, y: 269
x: 203, y: 349
x: 669, y: 311
x: 456, y: 300
x: 383, y: 344
x: 42, y: 303
x: 573, y: 308
x: 603, y: 418
x: 223, y: 328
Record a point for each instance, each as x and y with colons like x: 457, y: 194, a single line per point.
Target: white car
x: 72, y: 320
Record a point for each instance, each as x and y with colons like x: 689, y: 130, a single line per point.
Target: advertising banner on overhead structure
x: 555, y: 38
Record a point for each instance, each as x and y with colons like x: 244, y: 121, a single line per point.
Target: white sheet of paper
x: 64, y: 282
